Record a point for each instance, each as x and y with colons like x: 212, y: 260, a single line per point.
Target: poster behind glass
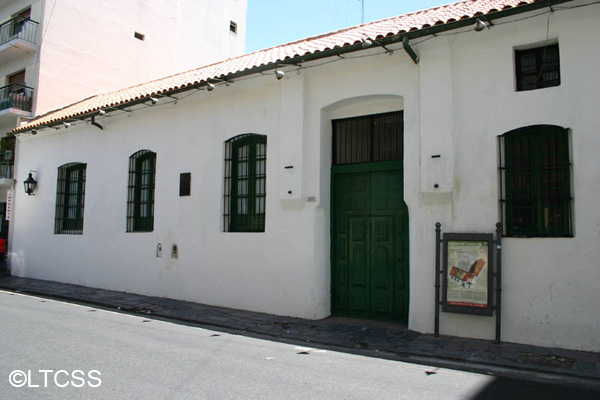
x: 467, y: 273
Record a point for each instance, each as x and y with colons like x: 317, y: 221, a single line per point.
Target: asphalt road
x: 56, y: 350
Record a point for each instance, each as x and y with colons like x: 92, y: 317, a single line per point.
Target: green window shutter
x: 519, y: 186
x: 538, y: 191
x: 70, y: 198
x: 555, y: 184
x: 245, y: 183
x: 140, y: 202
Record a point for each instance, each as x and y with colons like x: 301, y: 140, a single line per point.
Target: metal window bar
x: 140, y: 191
x: 70, y: 199
x: 371, y: 138
x: 538, y: 68
x: 16, y: 96
x: 244, y: 191
x: 535, y: 193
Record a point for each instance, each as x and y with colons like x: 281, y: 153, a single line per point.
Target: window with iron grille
x: 536, y: 182
x: 537, y: 68
x: 70, y: 196
x: 140, y: 197
x: 245, y: 183
x: 370, y: 138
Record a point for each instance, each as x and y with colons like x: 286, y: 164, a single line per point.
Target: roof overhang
x: 403, y: 38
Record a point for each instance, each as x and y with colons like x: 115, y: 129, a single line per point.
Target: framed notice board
x: 467, y: 273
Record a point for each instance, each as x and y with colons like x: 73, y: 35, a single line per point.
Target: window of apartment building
x: 20, y: 19
x: 70, y: 196
x: 17, y: 78
x: 16, y: 83
x: 537, y: 67
x: 140, y: 198
x: 16, y: 94
x: 536, y: 179
x: 25, y: 14
x: 233, y: 27
x: 245, y: 183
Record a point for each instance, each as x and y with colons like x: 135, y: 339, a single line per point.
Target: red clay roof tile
x: 346, y: 37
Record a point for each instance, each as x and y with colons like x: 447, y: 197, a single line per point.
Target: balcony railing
x: 17, y: 96
x: 18, y: 28
x: 6, y: 164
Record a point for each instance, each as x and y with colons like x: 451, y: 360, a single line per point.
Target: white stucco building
x: 307, y: 179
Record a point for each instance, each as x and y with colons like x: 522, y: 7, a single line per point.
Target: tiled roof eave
x: 287, y: 59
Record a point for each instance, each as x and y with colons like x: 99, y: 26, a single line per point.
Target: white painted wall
x: 457, y: 101
x: 92, y: 49
x: 193, y: 223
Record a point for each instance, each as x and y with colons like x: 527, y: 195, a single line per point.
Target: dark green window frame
x: 536, y: 182
x: 369, y: 138
x: 245, y: 183
x: 140, y: 198
x: 70, y: 199
x: 537, y: 68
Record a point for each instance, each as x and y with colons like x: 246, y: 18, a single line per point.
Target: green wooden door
x: 369, y: 243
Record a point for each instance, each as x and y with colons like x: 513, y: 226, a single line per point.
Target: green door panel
x: 358, y: 276
x: 369, y: 245
x: 382, y: 267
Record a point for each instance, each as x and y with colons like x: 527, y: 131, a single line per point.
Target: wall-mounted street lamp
x: 30, y: 185
x: 480, y: 25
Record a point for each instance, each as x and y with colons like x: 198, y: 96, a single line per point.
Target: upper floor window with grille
x: 537, y: 182
x: 538, y: 67
x: 245, y: 183
x: 70, y: 196
x: 371, y: 138
x: 140, y: 197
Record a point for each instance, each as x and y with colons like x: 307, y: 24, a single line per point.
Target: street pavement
x: 56, y: 350
x: 367, y: 338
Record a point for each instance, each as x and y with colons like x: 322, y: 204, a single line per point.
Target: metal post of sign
x: 437, y: 278
x: 494, y: 280
x: 498, y: 279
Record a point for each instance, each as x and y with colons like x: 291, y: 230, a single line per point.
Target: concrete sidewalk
x: 376, y: 339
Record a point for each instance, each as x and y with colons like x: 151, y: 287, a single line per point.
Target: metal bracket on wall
x: 97, y: 125
x: 409, y: 50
